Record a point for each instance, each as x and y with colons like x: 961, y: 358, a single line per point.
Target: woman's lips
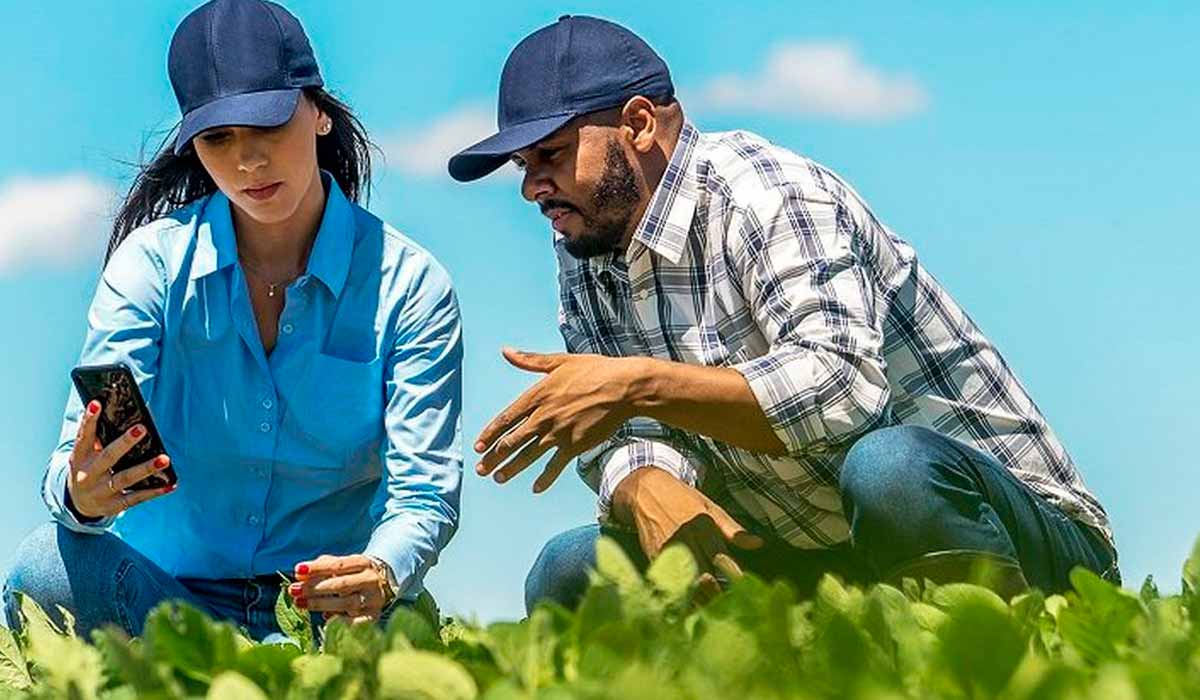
x: 263, y: 193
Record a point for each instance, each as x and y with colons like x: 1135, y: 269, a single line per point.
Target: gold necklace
x: 271, y: 286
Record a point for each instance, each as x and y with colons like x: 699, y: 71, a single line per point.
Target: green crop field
x: 640, y: 636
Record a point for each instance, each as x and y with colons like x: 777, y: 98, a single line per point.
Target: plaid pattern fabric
x: 752, y: 257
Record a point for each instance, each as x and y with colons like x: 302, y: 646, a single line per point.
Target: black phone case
x: 121, y: 407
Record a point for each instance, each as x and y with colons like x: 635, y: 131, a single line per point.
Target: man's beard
x: 612, y: 207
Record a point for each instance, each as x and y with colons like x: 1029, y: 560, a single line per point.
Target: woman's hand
x: 96, y: 492
x: 350, y: 586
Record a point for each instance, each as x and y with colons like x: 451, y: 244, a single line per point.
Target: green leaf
x: 293, y: 621
x: 313, y: 673
x: 357, y: 643
x: 951, y: 595
x: 269, y: 666
x: 672, y: 573
x: 193, y: 644
x: 423, y: 675
x: 980, y: 645
x: 1100, y: 620
x: 14, y: 671
x: 231, y: 685
x: 613, y: 564
x: 1191, y: 571
x: 409, y: 629
x: 1149, y: 590
x: 68, y: 666
x: 128, y: 663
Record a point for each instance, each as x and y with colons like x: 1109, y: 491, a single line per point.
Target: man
x: 757, y: 367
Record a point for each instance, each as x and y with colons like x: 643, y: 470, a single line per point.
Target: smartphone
x: 122, y: 407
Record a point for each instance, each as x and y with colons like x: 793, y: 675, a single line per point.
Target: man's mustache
x: 547, y: 204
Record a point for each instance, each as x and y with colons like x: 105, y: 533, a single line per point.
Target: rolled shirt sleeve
x: 822, y: 382
x: 640, y: 442
x: 124, y: 326
x: 417, y: 507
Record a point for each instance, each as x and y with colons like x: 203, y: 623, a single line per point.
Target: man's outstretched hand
x: 665, y: 510
x: 580, y: 402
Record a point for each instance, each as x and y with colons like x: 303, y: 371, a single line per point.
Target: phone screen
x: 122, y: 407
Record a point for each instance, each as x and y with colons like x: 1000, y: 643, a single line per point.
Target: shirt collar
x: 668, y: 219
x: 329, y: 261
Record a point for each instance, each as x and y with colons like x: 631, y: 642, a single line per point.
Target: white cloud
x: 56, y: 220
x: 825, y: 79
x: 424, y: 151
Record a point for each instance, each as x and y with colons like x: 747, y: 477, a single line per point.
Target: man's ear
x: 640, y: 123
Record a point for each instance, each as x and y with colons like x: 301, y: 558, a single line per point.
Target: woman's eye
x: 214, y: 138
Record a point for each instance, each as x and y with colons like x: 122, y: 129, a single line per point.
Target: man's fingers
x: 707, y: 588
x: 506, y: 446
x: 727, y: 566
x: 528, y: 455
x: 504, y: 421
x: 533, y: 361
x: 733, y: 531
x: 85, y: 437
x: 554, y: 467
x: 127, y: 478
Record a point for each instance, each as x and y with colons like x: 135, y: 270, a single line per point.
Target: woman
x: 301, y: 359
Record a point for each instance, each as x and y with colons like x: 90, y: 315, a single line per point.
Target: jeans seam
x: 118, y: 602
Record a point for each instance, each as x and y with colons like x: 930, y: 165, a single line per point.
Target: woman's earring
x: 325, y: 128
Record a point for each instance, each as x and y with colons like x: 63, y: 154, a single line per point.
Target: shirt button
x: 287, y: 328
x: 303, y: 281
x: 265, y: 427
x: 267, y: 404
x: 253, y: 519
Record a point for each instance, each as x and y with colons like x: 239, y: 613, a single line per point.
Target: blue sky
x: 1041, y: 159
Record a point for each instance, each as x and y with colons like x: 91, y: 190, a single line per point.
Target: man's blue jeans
x: 907, y: 492
x: 102, y: 580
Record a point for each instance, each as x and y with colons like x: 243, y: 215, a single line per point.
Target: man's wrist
x: 625, y: 497
x: 642, y: 387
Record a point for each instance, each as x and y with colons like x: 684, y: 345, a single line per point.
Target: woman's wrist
x: 389, y: 588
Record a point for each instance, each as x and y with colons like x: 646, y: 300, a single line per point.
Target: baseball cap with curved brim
x: 573, y: 67
x: 238, y: 63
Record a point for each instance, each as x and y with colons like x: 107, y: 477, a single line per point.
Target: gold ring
x: 111, y: 488
x: 362, y: 600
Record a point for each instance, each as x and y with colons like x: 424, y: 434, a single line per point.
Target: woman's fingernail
x: 295, y: 589
x: 93, y: 408
x: 302, y: 570
x: 137, y: 431
x: 302, y: 602
x: 169, y: 489
x: 161, y: 461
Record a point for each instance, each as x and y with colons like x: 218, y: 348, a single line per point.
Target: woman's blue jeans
x: 907, y: 492
x: 102, y: 580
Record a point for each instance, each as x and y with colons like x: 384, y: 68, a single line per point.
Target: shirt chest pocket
x: 338, y: 410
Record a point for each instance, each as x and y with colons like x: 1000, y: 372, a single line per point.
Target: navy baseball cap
x: 238, y: 63
x: 575, y: 66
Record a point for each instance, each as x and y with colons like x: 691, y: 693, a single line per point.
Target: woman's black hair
x: 170, y: 181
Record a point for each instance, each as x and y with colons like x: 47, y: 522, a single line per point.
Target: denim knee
x: 885, y: 477
x: 38, y: 573
x: 560, y: 573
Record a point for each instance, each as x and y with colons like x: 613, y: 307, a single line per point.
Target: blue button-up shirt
x: 345, y: 439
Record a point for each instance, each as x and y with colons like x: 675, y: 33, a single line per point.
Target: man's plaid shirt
x: 752, y: 257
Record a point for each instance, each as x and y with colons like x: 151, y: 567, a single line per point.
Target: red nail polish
x: 161, y: 461
x: 169, y: 489
x: 301, y: 602
x: 93, y: 408
x: 295, y: 589
x: 137, y: 431
x: 302, y: 570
